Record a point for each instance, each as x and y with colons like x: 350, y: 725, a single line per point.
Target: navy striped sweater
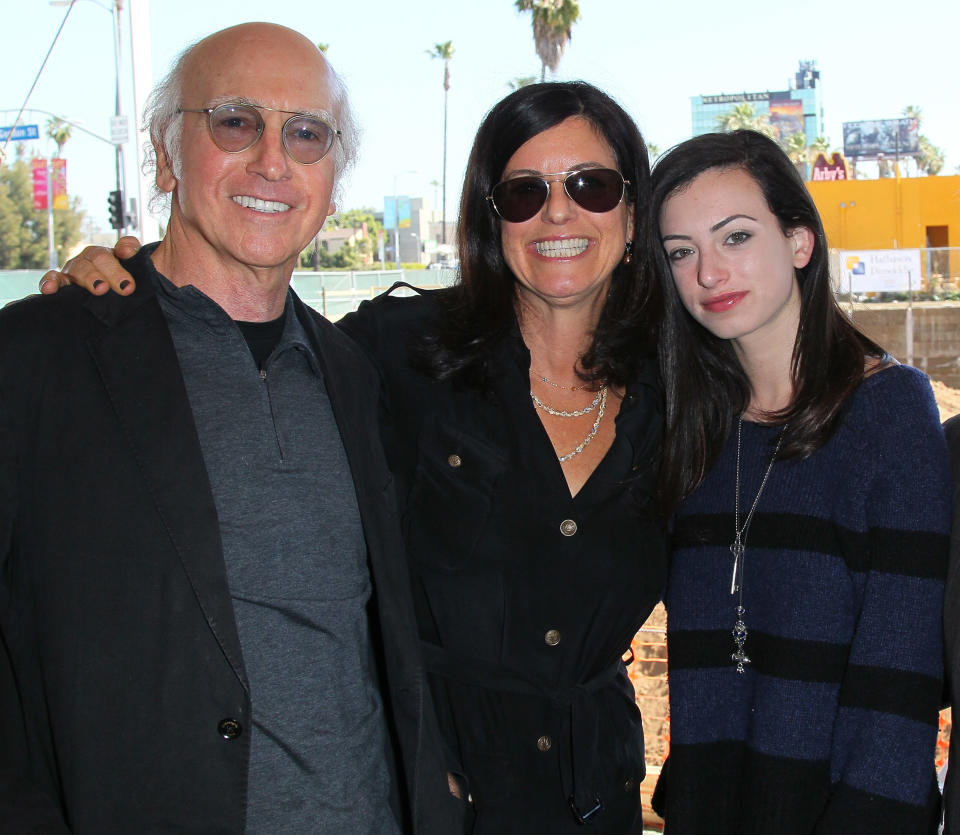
x: 832, y: 727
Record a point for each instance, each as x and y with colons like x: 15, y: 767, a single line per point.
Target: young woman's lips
x: 718, y: 304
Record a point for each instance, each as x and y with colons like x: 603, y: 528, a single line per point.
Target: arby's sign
x: 825, y: 170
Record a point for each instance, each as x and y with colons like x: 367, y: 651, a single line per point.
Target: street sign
x: 119, y: 129
x: 20, y: 132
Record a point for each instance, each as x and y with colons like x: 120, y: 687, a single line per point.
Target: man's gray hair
x: 165, y: 126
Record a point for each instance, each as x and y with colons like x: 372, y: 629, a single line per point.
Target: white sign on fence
x: 881, y: 270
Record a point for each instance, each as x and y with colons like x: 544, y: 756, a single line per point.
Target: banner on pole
x: 58, y: 180
x: 38, y: 169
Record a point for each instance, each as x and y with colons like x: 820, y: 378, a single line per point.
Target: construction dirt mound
x: 948, y: 399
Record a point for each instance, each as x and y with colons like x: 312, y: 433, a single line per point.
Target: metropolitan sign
x: 882, y: 270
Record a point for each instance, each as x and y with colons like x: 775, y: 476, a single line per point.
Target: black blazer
x: 951, y: 637
x: 122, y: 684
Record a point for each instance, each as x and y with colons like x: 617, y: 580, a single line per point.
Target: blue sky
x: 874, y: 59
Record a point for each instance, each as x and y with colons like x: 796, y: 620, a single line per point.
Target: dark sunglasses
x: 594, y: 189
x: 237, y: 127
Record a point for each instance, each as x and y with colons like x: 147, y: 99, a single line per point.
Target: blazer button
x: 568, y: 527
x: 454, y: 460
x: 544, y: 743
x: 552, y: 637
x: 229, y: 728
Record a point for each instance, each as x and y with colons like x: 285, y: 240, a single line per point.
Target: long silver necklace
x: 739, y: 546
x: 571, y: 414
x: 593, y: 431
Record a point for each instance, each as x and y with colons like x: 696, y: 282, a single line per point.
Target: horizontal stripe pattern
x: 835, y: 717
x: 881, y: 549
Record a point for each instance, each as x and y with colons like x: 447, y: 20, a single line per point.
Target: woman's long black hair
x: 706, y: 386
x: 479, y: 309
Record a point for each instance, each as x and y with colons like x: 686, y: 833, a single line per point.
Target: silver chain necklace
x: 739, y: 546
x: 593, y: 431
x: 565, y: 414
x: 543, y: 379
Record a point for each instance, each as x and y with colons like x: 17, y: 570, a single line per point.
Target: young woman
x: 810, y: 540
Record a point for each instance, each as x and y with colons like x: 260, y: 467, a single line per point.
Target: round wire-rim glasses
x: 235, y: 128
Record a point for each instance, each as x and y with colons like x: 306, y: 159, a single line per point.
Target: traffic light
x: 115, y: 200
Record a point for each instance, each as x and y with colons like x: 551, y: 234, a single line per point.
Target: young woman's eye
x: 738, y: 237
x: 679, y: 253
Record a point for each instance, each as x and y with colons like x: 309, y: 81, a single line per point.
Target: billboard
x: 786, y: 117
x: 881, y: 136
x: 882, y: 270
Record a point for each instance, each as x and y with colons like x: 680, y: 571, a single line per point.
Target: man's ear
x: 166, y: 181
x: 332, y: 208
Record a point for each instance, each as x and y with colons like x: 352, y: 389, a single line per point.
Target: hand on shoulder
x: 97, y: 269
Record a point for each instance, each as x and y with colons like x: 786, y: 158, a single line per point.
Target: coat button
x: 629, y: 784
x: 568, y: 527
x: 544, y: 743
x: 229, y: 728
x: 454, y: 460
x: 552, y: 637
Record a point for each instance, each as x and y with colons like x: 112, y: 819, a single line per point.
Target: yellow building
x: 890, y: 213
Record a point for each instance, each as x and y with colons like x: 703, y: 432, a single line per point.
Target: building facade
x: 797, y: 109
x: 895, y: 213
x: 418, y: 230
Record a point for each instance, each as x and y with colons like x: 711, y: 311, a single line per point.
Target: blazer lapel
x: 141, y: 373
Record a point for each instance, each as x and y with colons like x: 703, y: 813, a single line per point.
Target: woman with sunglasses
x: 523, y: 423
x: 810, y: 543
x: 522, y: 420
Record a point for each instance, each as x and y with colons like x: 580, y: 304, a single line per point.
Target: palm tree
x: 521, y: 81
x: 444, y: 51
x: 552, y: 23
x: 817, y: 148
x: 795, y: 146
x: 929, y: 158
x: 820, y: 145
x: 744, y: 117
x: 59, y: 131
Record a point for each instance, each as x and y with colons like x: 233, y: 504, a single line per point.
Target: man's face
x: 257, y: 208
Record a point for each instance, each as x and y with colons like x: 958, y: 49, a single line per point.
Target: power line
x: 37, y: 78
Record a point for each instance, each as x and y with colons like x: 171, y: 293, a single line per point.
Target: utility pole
x: 119, y: 129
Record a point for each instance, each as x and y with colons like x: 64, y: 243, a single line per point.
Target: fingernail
x: 97, y: 283
x: 125, y: 284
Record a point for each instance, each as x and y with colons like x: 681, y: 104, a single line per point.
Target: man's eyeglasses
x: 237, y: 127
x: 594, y: 189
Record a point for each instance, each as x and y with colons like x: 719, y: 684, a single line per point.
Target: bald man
x: 215, y: 633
